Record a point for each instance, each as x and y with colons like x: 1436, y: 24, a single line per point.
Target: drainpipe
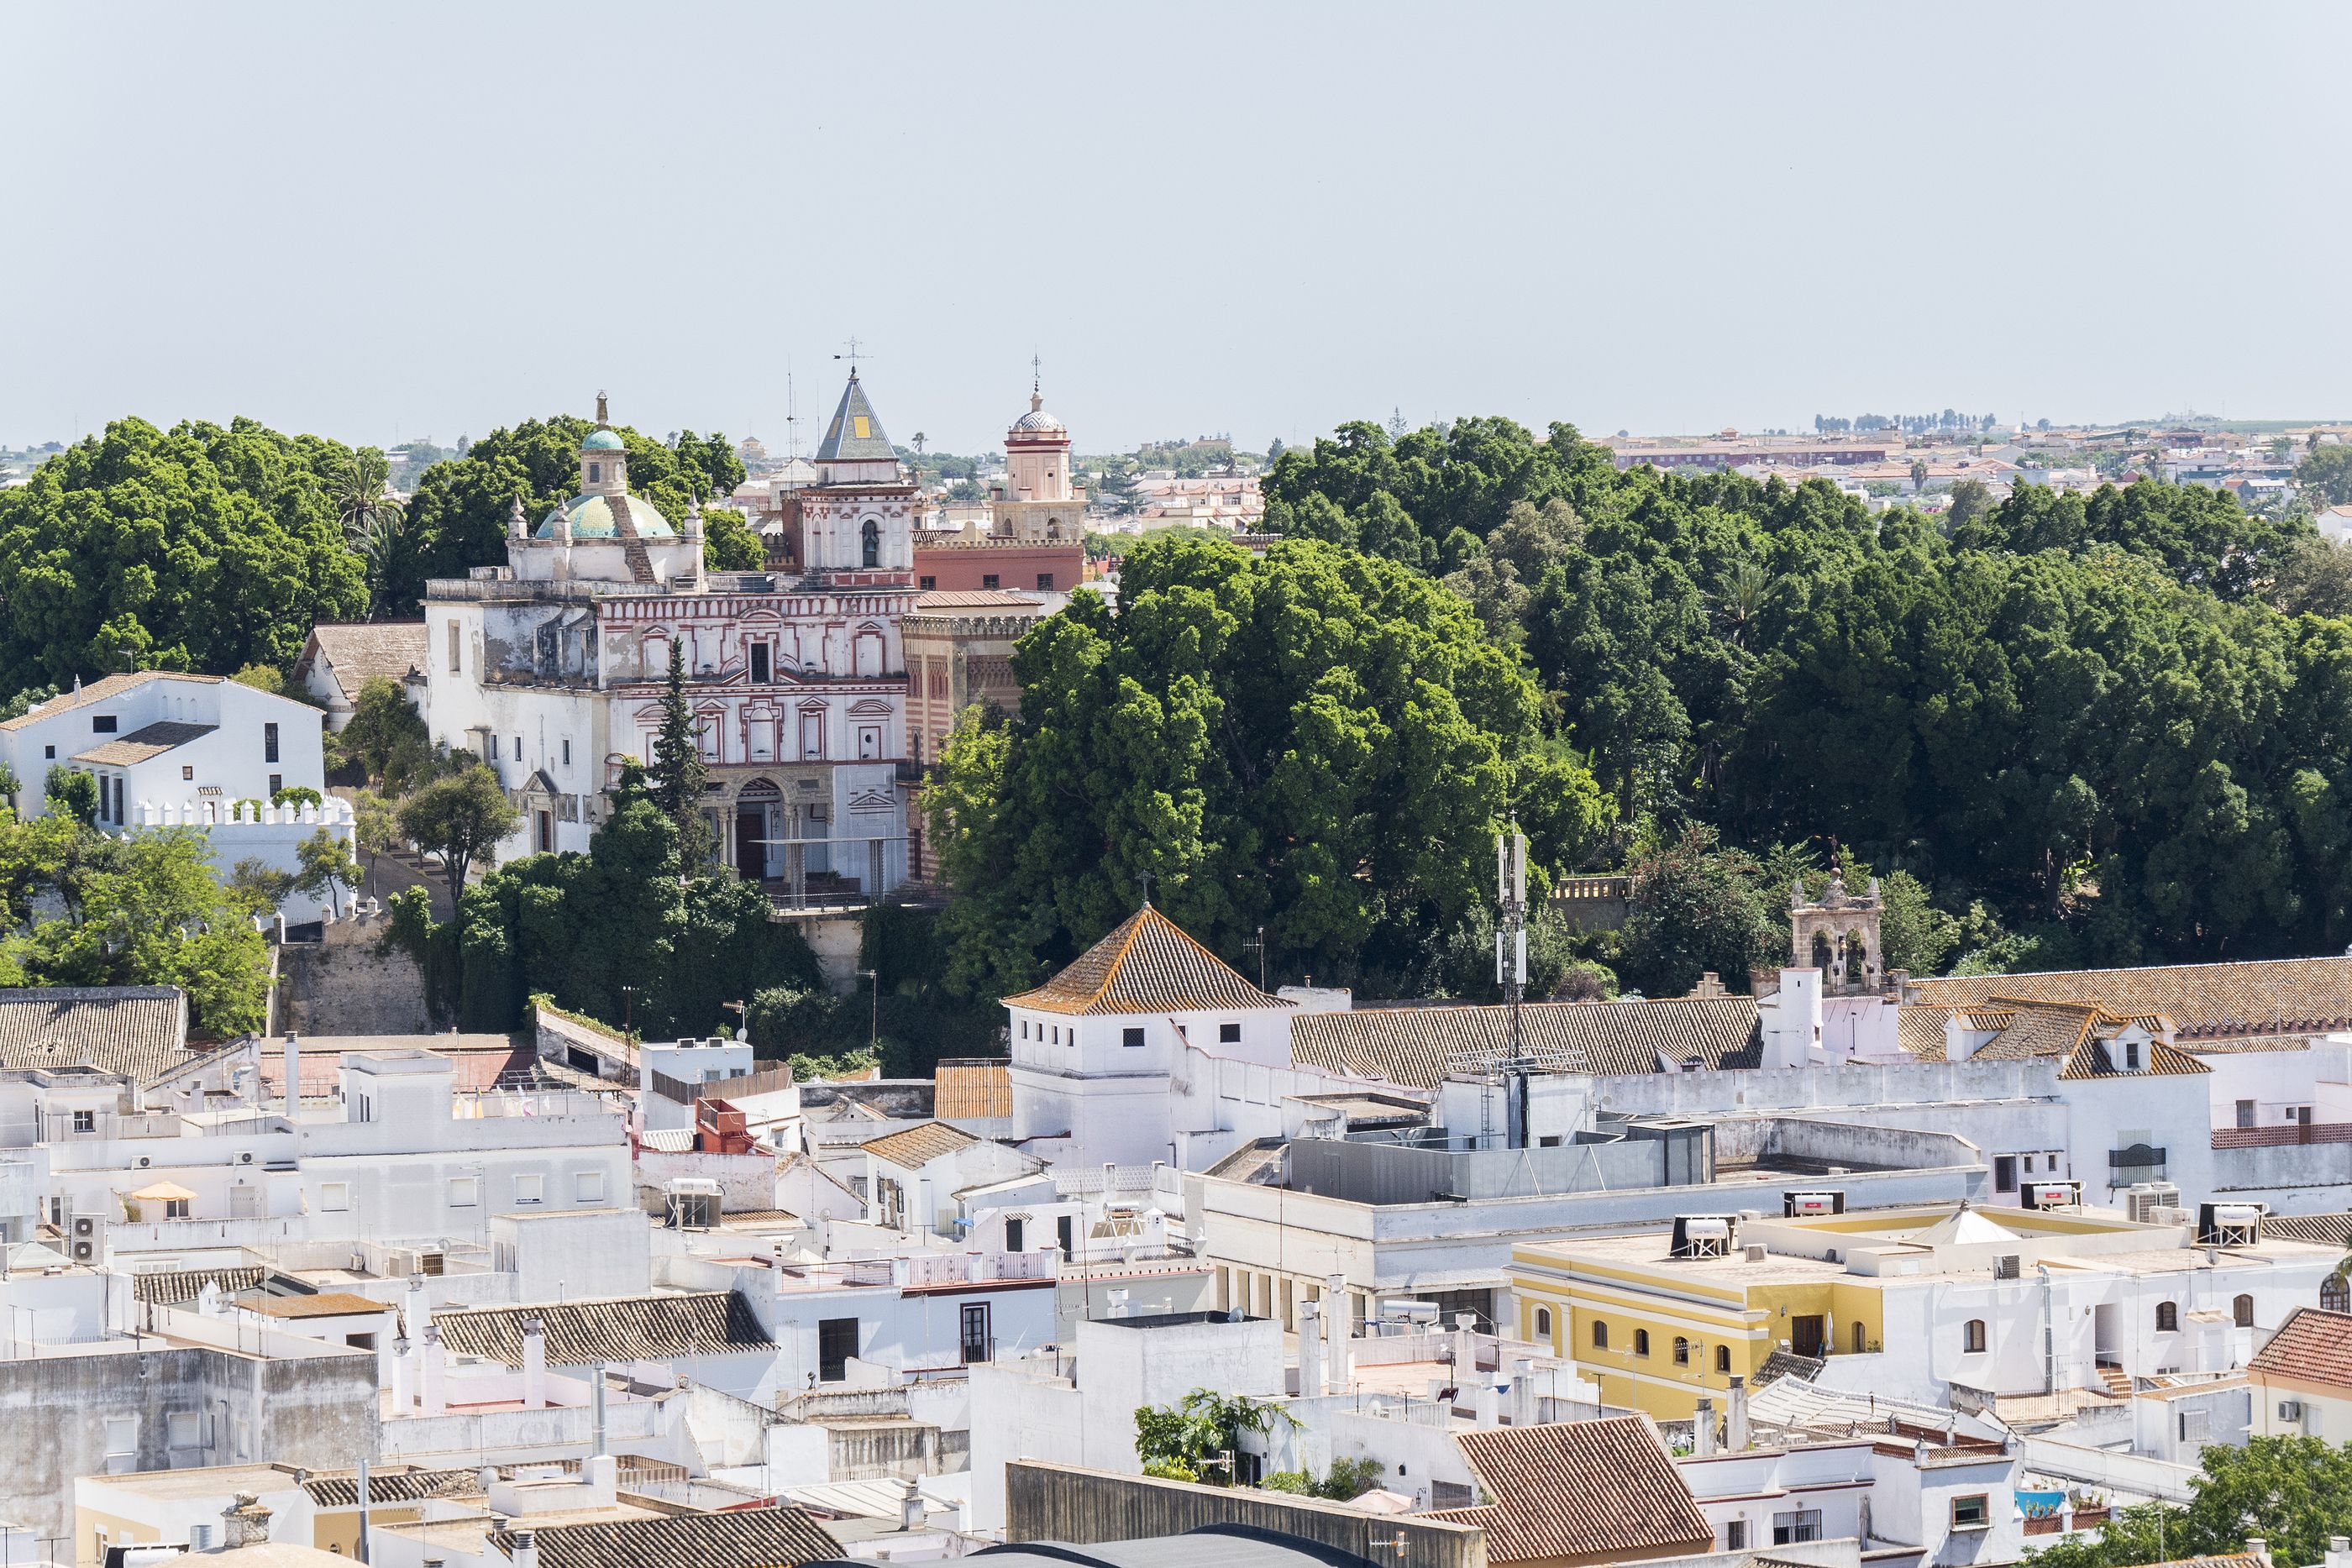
x: 2049, y: 1329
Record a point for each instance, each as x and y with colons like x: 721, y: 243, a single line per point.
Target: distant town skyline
x: 1628, y: 219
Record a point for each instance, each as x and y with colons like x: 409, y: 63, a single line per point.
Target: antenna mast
x: 792, y: 417
x: 1511, y: 971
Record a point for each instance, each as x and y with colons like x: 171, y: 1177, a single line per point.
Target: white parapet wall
x: 251, y: 830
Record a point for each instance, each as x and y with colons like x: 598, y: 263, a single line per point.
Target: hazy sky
x: 390, y: 221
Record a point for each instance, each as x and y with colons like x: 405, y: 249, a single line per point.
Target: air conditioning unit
x: 245, y: 1158
x: 2290, y: 1410
x: 2142, y: 1199
x: 144, y: 1162
x: 84, y: 1251
x: 84, y: 1225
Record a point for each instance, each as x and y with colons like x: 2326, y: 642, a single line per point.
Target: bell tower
x: 1839, y: 937
x: 603, y: 460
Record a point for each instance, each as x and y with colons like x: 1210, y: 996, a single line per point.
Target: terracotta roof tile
x: 173, y: 1287
x: 358, y: 651
x: 392, y: 1486
x: 740, y: 1537
x: 972, y: 1090
x: 325, y: 1304
x: 2311, y: 1347
x: 617, y: 1328
x: 1146, y: 964
x: 2274, y: 995
x: 1419, y: 1046
x: 1591, y: 1490
x: 99, y: 691
x: 145, y: 743
x: 136, y: 1031
x: 911, y: 1148
x: 2326, y: 1229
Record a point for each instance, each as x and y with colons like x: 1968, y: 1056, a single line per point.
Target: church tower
x: 859, y: 516
x: 603, y: 461
x: 1036, y: 500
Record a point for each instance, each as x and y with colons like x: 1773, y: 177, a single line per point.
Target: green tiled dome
x: 602, y: 441
x: 593, y: 517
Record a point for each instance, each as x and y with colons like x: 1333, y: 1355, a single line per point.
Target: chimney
x: 534, y: 1365
x: 524, y: 1551
x: 293, y: 1075
x: 2259, y: 1550
x: 430, y: 1373
x: 402, y: 1349
x: 1310, y: 1350
x: 1465, y: 1349
x: 244, y: 1523
x: 910, y: 1506
x: 1735, y: 1417
x: 1118, y: 1304
x: 1703, y: 1428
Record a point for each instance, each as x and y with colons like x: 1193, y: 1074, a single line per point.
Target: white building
x: 163, y: 738
x: 551, y: 668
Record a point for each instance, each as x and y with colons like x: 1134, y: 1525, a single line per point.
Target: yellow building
x: 2001, y: 1300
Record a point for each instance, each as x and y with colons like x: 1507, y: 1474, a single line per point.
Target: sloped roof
x: 2312, y: 1346
x: 325, y: 1304
x: 972, y: 1090
x: 2271, y: 995
x: 781, y: 1537
x: 2024, y: 1028
x: 392, y: 1486
x: 138, y: 1031
x: 99, y: 691
x: 1146, y: 964
x: 1419, y: 1046
x: 2326, y: 1229
x: 145, y: 743
x: 911, y: 1148
x: 1578, y: 1489
x: 616, y: 1328
x: 855, y: 433
x: 357, y: 652
x: 172, y: 1287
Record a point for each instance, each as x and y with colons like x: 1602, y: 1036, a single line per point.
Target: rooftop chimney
x: 534, y: 1365
x: 1703, y: 1428
x: 524, y: 1551
x: 293, y: 1075
x: 1310, y: 1350
x: 1735, y: 1417
x: 910, y: 1506
x: 244, y: 1523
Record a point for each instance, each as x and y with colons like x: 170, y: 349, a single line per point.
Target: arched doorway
x: 756, y: 810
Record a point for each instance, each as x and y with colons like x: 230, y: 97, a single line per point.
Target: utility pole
x: 873, y: 1024
x: 1260, y: 945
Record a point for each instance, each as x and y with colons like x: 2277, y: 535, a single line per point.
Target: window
x: 1682, y: 1351
x: 48, y: 753
x: 1802, y: 1524
x: 926, y: 583
x: 1229, y: 1034
x: 1131, y: 1036
x: 2131, y: 1056
x: 988, y: 581
x: 2336, y: 1294
x: 1641, y: 1341
x: 335, y: 1196
x: 1972, y: 1336
x: 456, y: 659
x: 567, y: 751
x: 2168, y: 1317
x: 2004, y: 1173
x: 122, y: 1437
x: 465, y: 1192
x: 1016, y: 1234
x: 595, y: 473
x: 2245, y: 1113
x: 529, y: 1189
x: 2241, y: 1311
x: 1045, y: 582
x: 1599, y: 1334
x: 269, y: 743
x: 1543, y: 1322
x: 836, y: 1341
x: 588, y: 1186
x: 870, y: 543
x: 759, y: 666
x: 1723, y: 1358
x: 104, y: 724
x: 518, y: 748
x: 187, y: 772
x: 2007, y: 1265
x: 1972, y: 1513
x: 175, y: 1208
x: 119, y: 818
x: 84, y: 1121
x: 277, y: 782
x: 1735, y: 1535
x: 184, y: 1430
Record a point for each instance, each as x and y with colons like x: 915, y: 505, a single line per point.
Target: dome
x: 595, y: 518
x: 1036, y: 421
x: 601, y: 439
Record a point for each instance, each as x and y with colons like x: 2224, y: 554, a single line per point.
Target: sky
x: 387, y: 222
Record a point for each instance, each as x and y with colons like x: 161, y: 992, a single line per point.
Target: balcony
x: 2285, y: 1134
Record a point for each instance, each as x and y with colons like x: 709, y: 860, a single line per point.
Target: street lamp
x: 743, y: 1020
x: 874, y: 1025
x: 629, y: 1011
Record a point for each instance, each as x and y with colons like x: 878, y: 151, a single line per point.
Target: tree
x: 1971, y: 497
x: 1196, y: 1438
x: 461, y: 817
x: 387, y: 737
x: 728, y: 543
x: 327, y: 867
x: 2295, y: 1493
x: 72, y: 792
x: 1912, y: 932
x: 1693, y: 906
x: 376, y: 828
x: 679, y: 775
x: 370, y: 516
x: 1918, y: 475
x: 2325, y: 477
x: 200, y: 549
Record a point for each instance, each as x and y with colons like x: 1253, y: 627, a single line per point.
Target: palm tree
x: 370, y: 516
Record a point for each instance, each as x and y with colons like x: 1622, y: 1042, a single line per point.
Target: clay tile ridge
x: 1146, y: 964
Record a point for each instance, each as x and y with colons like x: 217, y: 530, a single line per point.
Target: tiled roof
x: 358, y: 651
x: 2273, y: 996
x: 617, y: 1328
x: 1920, y: 1031
x: 2080, y: 1032
x: 972, y: 1090
x: 740, y: 1538
x: 911, y: 1148
x: 325, y: 1304
x: 147, y: 742
x: 2312, y: 1346
x: 394, y: 1486
x: 2326, y: 1229
x: 1593, y: 1490
x: 174, y: 1287
x: 994, y: 599
x: 1146, y: 964
x: 1419, y: 1046
x: 136, y: 1031
x: 98, y: 691
x: 855, y: 433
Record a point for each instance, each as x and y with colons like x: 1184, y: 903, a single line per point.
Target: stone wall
x: 350, y: 981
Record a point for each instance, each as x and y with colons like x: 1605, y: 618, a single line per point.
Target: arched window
x: 872, y: 535
x: 1821, y: 950
x: 1682, y: 1351
x: 1543, y: 1322
x: 2241, y: 1311
x: 2336, y: 1294
x: 1972, y: 1336
x: 596, y: 472
x: 1723, y: 1358
x: 2168, y: 1317
x: 1641, y: 1341
x: 1599, y: 1334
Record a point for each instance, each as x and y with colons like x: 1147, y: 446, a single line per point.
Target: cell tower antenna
x: 792, y: 417
x: 1510, y: 1072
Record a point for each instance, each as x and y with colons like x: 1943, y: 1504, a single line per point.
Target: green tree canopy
x: 1314, y: 740
x: 460, y: 818
x: 198, y: 548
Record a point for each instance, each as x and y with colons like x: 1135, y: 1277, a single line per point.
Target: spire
x: 855, y: 433
x: 603, y: 418
x: 1036, y: 383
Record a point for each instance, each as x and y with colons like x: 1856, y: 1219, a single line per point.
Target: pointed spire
x: 603, y: 418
